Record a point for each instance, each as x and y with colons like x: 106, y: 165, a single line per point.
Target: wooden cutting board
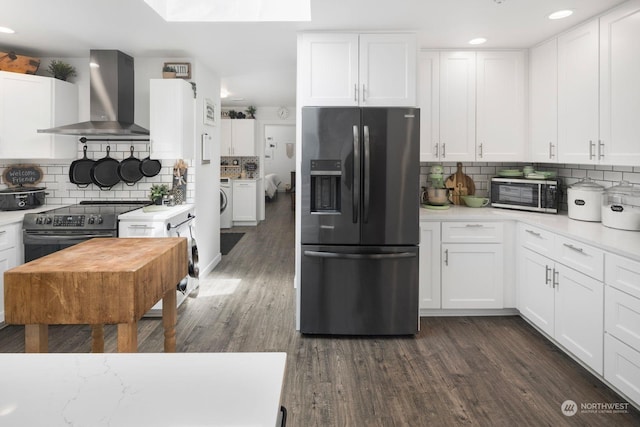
x: 9, y: 61
x: 460, y: 184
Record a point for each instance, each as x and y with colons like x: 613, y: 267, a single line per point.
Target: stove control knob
x: 100, y: 220
x: 48, y: 220
x: 39, y: 220
x: 91, y: 220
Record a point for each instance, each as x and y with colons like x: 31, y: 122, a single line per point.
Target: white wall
x: 278, y: 139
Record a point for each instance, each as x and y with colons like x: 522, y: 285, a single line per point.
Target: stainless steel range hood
x: 111, y: 98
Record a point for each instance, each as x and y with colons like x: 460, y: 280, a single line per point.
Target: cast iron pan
x: 80, y: 170
x: 129, y: 169
x: 104, y: 172
x: 150, y: 167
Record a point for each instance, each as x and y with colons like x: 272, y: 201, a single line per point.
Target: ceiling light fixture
x: 478, y: 40
x: 232, y: 10
x: 224, y: 93
x: 6, y: 30
x: 560, y: 14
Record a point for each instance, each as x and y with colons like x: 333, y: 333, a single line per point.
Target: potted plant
x: 158, y: 191
x: 233, y: 114
x: 61, y: 70
x: 168, y: 72
x: 251, y: 111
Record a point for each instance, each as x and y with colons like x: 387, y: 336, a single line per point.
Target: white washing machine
x: 226, y: 203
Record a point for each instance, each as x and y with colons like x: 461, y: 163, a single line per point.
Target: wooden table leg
x: 169, y: 320
x: 36, y: 338
x: 97, y: 338
x: 128, y: 337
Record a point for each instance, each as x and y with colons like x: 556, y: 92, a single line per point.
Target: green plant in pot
x: 251, y: 111
x: 168, y: 72
x: 158, y: 191
x: 61, y: 70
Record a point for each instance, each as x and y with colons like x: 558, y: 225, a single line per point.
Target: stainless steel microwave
x: 526, y: 194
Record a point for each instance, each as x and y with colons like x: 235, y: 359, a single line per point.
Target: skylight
x: 232, y: 10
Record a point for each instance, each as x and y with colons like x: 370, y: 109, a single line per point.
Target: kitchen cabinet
x: 29, y: 103
x: 472, y: 265
x: 10, y: 251
x: 472, y: 106
x: 563, y: 302
x: 347, y: 69
x: 620, y: 86
x: 578, y: 81
x: 237, y: 137
x: 172, y: 119
x: 500, y: 106
x: 429, y: 273
x: 543, y: 102
x: 245, y: 202
x: 622, y: 325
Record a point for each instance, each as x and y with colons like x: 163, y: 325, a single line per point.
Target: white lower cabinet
x: 429, y: 276
x: 535, y: 292
x: 245, y: 202
x: 10, y: 249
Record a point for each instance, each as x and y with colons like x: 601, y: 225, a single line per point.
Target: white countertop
x: 622, y: 242
x: 155, y: 213
x: 141, y: 389
x: 10, y: 217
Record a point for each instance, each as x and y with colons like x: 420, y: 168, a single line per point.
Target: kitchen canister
x: 621, y: 207
x: 584, y: 199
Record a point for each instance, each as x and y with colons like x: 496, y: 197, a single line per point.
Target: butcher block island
x: 96, y: 282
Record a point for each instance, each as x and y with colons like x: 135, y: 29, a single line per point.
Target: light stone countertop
x: 141, y: 389
x: 621, y: 242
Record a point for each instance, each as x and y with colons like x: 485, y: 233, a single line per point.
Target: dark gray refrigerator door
x: 359, y: 290
x: 330, y: 175
x: 391, y: 176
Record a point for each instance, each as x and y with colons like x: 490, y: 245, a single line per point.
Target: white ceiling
x: 257, y: 61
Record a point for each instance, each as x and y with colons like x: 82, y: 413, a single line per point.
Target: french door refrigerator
x: 360, y: 190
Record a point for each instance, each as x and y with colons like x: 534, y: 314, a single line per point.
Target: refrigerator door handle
x: 355, y: 196
x: 338, y: 255
x: 367, y: 175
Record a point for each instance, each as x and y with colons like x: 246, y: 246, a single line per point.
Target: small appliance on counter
x: 526, y: 194
x: 20, y: 198
x: 436, y: 196
x: 621, y: 207
x: 585, y: 200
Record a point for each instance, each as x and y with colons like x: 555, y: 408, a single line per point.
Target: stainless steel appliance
x: 360, y: 213
x: 56, y: 229
x: 526, y: 194
x: 226, y: 203
x: 18, y: 198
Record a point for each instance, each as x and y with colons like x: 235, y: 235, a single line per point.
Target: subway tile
x: 578, y: 173
x: 631, y: 177
x: 613, y: 176
x: 595, y: 174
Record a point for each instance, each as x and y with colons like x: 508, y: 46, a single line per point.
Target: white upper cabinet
x: 578, y: 95
x: 543, y: 102
x: 172, y: 119
x: 343, y: 69
x: 237, y: 137
x: 620, y: 86
x: 457, y: 106
x: 29, y: 103
x: 500, y: 115
x: 428, y: 100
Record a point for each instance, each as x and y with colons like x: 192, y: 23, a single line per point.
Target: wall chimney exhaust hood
x: 111, y: 98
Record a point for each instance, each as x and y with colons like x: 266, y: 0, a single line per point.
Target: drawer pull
x: 534, y: 233
x: 474, y: 225
x: 547, y: 279
x: 140, y: 226
x: 570, y: 246
x: 3, y: 232
x: 446, y: 257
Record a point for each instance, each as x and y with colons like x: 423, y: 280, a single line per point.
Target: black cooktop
x: 99, y: 207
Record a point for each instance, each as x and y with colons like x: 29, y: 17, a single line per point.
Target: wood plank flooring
x: 482, y: 371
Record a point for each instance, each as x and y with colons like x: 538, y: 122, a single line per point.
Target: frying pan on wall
x: 80, y: 170
x: 104, y: 172
x: 150, y: 167
x: 129, y: 169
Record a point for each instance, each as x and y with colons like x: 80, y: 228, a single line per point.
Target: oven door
x: 39, y: 244
x: 516, y: 195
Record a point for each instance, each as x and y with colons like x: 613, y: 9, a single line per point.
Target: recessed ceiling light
x: 478, y: 40
x: 224, y: 93
x: 561, y: 14
x: 6, y: 30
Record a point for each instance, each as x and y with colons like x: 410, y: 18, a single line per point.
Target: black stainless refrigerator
x: 360, y: 177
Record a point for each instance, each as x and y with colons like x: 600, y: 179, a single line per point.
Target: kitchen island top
x: 145, y: 389
x: 622, y: 242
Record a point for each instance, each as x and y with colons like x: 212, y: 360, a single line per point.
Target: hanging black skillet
x: 129, y: 169
x: 104, y: 172
x: 80, y: 170
x: 150, y: 167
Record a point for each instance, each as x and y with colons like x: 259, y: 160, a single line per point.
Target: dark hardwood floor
x: 473, y: 371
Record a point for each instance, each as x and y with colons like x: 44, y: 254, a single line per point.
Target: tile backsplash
x: 481, y: 173
x: 60, y: 191
x: 230, y: 170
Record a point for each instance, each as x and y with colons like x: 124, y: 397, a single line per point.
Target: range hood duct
x: 111, y: 98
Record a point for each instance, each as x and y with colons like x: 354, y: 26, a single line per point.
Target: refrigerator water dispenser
x: 325, y: 186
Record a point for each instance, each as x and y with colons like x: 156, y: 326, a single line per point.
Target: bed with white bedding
x: 271, y: 183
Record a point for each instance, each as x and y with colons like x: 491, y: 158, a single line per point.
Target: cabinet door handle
x: 444, y: 152
x: 355, y: 93
x: 533, y: 232
x: 600, y: 149
x: 446, y: 257
x: 556, y: 282
x: 547, y: 270
x: 592, y: 145
x: 437, y: 150
x: 363, y: 90
x: 480, y: 155
x: 570, y: 246
x: 551, y: 150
